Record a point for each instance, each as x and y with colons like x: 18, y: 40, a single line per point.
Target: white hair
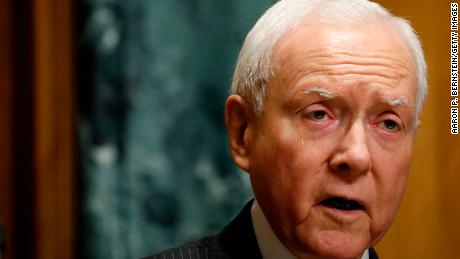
x: 255, y: 64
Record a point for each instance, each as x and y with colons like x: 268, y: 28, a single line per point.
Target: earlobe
x: 237, y: 119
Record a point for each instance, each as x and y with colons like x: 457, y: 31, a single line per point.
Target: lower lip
x: 342, y: 214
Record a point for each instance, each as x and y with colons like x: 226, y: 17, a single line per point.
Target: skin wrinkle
x: 320, y: 66
x: 331, y: 51
x: 333, y: 54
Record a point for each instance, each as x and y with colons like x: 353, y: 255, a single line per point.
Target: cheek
x: 391, y: 172
x: 286, y: 173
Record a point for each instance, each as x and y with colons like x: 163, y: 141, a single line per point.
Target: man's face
x: 329, y: 156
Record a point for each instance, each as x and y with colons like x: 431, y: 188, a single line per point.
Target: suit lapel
x: 238, y: 239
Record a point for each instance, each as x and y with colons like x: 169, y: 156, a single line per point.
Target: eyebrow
x: 320, y: 91
x: 399, y: 101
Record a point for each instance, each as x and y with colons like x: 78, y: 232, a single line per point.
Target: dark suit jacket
x: 236, y: 241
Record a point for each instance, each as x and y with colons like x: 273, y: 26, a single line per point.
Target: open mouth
x: 342, y: 204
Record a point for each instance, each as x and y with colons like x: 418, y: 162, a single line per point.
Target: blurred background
x: 112, y: 139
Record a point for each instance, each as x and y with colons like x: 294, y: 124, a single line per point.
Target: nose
x: 352, y: 153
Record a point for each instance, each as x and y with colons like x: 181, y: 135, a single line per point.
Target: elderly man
x: 323, y: 114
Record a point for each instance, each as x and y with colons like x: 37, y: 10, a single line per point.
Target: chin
x: 340, y: 253
x: 332, y: 244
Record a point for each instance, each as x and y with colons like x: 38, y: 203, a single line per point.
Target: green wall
x: 153, y: 76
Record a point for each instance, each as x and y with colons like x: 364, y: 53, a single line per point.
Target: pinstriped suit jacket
x: 236, y: 241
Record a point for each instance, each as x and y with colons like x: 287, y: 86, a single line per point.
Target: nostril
x: 344, y: 166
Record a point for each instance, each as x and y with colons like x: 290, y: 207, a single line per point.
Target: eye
x: 389, y: 125
x: 318, y: 115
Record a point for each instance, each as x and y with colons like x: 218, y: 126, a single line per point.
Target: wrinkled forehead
x: 372, y: 39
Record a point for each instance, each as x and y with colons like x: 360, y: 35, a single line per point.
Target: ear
x: 238, y: 116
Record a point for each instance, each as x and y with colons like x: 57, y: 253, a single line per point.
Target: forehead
x: 372, y: 49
